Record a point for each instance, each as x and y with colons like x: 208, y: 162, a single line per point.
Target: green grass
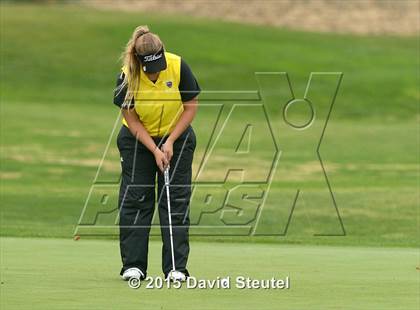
x: 69, y: 44
x: 51, y: 149
x: 49, y: 167
x: 320, y: 277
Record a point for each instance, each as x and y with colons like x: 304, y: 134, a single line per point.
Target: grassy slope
x: 63, y: 70
x: 81, y: 46
x: 321, y: 277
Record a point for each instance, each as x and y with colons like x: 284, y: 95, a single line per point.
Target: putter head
x: 175, y: 275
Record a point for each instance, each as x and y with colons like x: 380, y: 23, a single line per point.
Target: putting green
x: 65, y: 274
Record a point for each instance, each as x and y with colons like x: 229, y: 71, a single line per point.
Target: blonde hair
x: 142, y: 42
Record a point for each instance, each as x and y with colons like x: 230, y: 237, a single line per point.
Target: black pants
x: 138, y: 195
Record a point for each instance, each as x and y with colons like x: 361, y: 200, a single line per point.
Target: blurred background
x: 357, y: 16
x: 59, y: 64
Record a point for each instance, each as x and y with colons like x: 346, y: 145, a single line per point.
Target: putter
x: 166, y: 176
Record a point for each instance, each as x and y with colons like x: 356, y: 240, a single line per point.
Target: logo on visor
x: 169, y: 84
x: 152, y: 57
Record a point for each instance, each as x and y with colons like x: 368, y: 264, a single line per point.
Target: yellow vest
x: 159, y: 104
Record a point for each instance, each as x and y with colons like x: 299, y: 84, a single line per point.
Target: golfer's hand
x: 168, y: 149
x: 161, y: 160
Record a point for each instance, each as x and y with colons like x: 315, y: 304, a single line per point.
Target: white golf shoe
x: 132, y: 273
x: 175, y: 275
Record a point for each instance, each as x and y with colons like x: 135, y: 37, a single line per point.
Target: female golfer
x: 157, y: 94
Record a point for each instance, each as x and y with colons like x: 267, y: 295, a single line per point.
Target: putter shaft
x: 166, y: 177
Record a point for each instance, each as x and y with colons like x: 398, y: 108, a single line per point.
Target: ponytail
x: 142, y: 42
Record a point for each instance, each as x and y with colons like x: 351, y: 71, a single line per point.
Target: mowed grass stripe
x: 56, y: 273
